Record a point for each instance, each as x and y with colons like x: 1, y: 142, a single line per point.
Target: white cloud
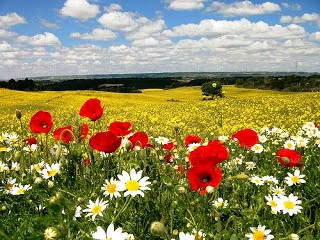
x: 315, y: 36
x: 180, y: 5
x: 48, y: 24
x: 305, y: 18
x: 79, y: 9
x: 11, y: 19
x: 45, y: 39
x: 123, y: 21
x: 294, y: 7
x: 148, y: 28
x: 286, y: 19
x: 4, y: 46
x: 113, y: 7
x: 212, y: 28
x: 245, y: 8
x: 97, y: 34
x: 147, y: 42
x: 4, y: 34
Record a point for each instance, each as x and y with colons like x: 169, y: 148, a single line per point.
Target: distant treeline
x: 126, y: 85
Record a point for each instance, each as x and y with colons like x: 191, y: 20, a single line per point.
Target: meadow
x: 70, y: 185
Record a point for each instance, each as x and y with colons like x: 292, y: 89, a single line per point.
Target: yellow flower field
x: 161, y: 111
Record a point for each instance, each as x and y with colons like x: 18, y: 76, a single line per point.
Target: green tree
x: 213, y: 88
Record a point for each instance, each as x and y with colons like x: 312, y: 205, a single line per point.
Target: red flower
x: 169, y: 146
x: 86, y: 161
x: 289, y: 158
x: 169, y: 158
x: 41, y: 122
x: 192, y: 139
x: 64, y: 134
x: 202, y: 176
x: 246, y: 137
x: 139, y: 140
x: 212, y: 154
x: 84, y: 130
x: 120, y: 128
x: 316, y: 124
x: 30, y: 141
x: 106, y: 142
x: 91, y: 109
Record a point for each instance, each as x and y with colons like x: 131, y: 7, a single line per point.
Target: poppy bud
x: 18, y: 114
x: 242, y: 176
x: 128, y: 146
x: 285, y: 159
x: 58, y: 152
x: 157, y: 228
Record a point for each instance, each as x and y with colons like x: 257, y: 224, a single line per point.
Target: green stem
x: 124, y: 207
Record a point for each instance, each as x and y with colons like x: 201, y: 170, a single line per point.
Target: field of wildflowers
x: 163, y: 164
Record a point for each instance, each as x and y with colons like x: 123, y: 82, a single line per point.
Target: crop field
x: 161, y: 164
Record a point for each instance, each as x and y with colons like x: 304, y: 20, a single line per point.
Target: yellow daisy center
x: 2, y: 138
x: 197, y: 236
x: 132, y: 185
x: 288, y: 204
x: 37, y: 168
x: 3, y: 149
x: 21, y: 191
x: 277, y: 191
x: 96, y: 209
x: 220, y: 204
x: 111, y: 188
x: 295, y: 179
x: 52, y: 172
x: 258, y: 235
x: 273, y: 203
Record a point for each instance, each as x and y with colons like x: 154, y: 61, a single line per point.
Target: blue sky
x: 63, y: 37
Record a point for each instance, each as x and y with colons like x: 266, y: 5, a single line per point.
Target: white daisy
x: 95, y: 208
x: 50, y: 171
x: 110, y: 234
x: 220, y: 203
x: 30, y: 149
x: 4, y: 137
x: 15, y: 166
x: 295, y: 178
x: 198, y: 234
x: 262, y: 138
x: 110, y: 188
x: 37, y: 167
x: 257, y: 148
x: 10, y: 183
x: 3, y: 167
x: 301, y: 142
x: 186, y: 236
x: 274, y: 203
x: 259, y: 233
x: 222, y: 138
x: 277, y: 191
x: 12, y: 138
x: 20, y: 189
x: 289, y: 144
x: 193, y: 146
x: 257, y: 180
x: 270, y: 179
x: 290, y: 204
x: 133, y: 184
x: 162, y: 140
x: 250, y: 165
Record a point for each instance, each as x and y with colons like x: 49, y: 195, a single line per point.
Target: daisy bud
x: 130, y: 237
x: 3, y: 208
x: 51, y: 233
x: 50, y: 184
x: 293, y: 236
x: 17, y: 154
x: 18, y: 114
x: 175, y: 232
x: 181, y: 189
x: 37, y: 180
x: 242, y: 176
x: 209, y: 189
x: 157, y: 228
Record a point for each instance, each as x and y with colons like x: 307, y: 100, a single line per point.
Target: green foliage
x: 213, y: 89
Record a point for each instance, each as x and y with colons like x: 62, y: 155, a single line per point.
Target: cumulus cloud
x: 48, y: 24
x: 113, y: 7
x: 286, y: 19
x: 147, y: 29
x: 212, y: 28
x: 97, y: 34
x: 11, y: 19
x: 4, y: 46
x: 305, y: 18
x: 315, y: 36
x: 4, y: 34
x: 147, y: 42
x: 79, y: 9
x: 245, y: 8
x: 294, y: 7
x: 45, y: 39
x: 123, y: 21
x: 180, y: 5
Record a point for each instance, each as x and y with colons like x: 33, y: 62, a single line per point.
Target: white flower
x: 15, y: 166
x: 110, y: 188
x: 162, y: 140
x: 9, y: 184
x: 77, y: 213
x: 3, y: 167
x: 250, y: 165
x: 262, y: 138
x: 259, y: 233
x: 222, y: 138
x: 276, y: 130
x: 20, y: 189
x: 95, y: 208
x: 290, y: 204
x: 12, y: 138
x: 277, y: 191
x: 257, y: 180
x: 295, y: 178
x: 270, y: 179
x: 220, y: 203
x: 133, y: 184
x: 289, y: 144
x: 4, y: 137
x: 110, y: 234
x: 274, y: 203
x: 31, y: 148
x: 301, y: 142
x: 37, y: 167
x: 193, y: 146
x: 186, y: 236
x: 257, y: 148
x: 198, y: 234
x: 50, y: 171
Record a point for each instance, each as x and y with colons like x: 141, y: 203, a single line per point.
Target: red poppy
x: 169, y: 158
x: 120, y: 128
x: 91, y: 109
x: 316, y: 124
x: 192, y: 139
x: 289, y: 158
x: 106, y: 142
x: 84, y: 130
x: 86, y: 161
x: 246, y: 137
x: 41, y: 122
x: 169, y: 146
x: 212, y: 154
x: 64, y: 134
x: 139, y: 140
x: 30, y: 141
x: 202, y: 176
